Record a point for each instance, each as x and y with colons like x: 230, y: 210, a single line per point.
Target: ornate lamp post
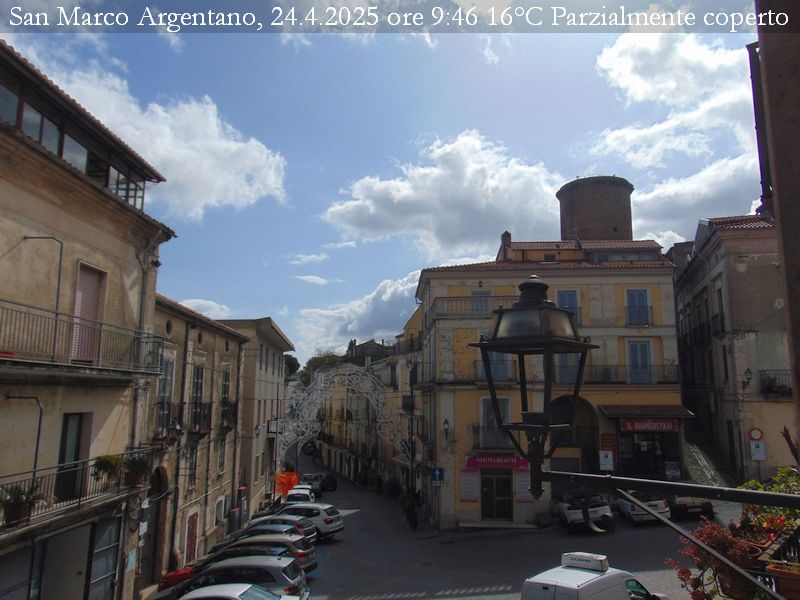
x: 535, y: 326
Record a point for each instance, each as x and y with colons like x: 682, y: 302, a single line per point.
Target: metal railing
x: 491, y: 438
x: 27, y: 495
x: 465, y: 306
x: 775, y: 381
x: 638, y: 315
x: 229, y: 412
x: 502, y: 370
x: 627, y: 374
x: 162, y: 419
x: 199, y: 417
x: 32, y: 334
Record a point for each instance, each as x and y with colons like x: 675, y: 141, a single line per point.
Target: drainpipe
x: 9, y: 396
x: 176, y: 498
x: 234, y: 466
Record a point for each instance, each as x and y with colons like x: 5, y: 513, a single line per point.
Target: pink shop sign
x: 496, y: 462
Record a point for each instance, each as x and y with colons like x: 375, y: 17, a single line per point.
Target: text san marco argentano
x: 370, y: 18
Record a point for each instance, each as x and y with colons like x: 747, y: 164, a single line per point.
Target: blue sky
x: 310, y: 178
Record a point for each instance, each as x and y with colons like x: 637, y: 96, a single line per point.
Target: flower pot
x: 787, y: 580
x: 13, y: 513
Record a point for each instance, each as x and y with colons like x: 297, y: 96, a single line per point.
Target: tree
x: 292, y: 364
x: 321, y: 361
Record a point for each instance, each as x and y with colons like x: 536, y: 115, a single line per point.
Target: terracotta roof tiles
x: 741, y: 222
x: 160, y: 298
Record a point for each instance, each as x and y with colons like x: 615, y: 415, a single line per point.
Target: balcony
x: 621, y: 374
x: 48, y: 492
x: 491, y: 438
x: 465, y: 307
x: 228, y: 415
x: 33, y: 335
x: 639, y: 316
x: 200, y: 417
x: 775, y: 381
x: 164, y: 414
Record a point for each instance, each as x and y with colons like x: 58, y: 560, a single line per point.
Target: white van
x: 585, y: 576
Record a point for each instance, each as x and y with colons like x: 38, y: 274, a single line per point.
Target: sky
x: 311, y: 177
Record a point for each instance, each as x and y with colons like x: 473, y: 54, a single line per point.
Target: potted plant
x: 135, y: 468
x: 787, y: 578
x: 109, y: 466
x: 17, y: 501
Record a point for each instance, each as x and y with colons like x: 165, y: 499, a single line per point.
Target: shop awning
x: 639, y: 411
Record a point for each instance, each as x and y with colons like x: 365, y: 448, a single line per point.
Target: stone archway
x: 303, y: 420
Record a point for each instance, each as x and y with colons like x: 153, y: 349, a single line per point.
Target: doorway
x: 497, y: 502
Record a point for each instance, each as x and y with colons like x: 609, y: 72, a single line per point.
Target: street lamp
x: 534, y: 326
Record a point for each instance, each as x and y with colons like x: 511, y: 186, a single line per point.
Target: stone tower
x: 596, y: 208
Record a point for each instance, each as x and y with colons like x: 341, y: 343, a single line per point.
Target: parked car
x: 635, y: 514
x: 315, y: 481
x: 233, y: 591
x: 570, y: 510
x: 299, y: 494
x: 263, y: 529
x: 326, y: 517
x: 278, y: 574
x: 689, y: 505
x: 173, y: 578
x: 585, y: 576
x: 294, y: 544
x: 329, y: 482
x: 303, y: 525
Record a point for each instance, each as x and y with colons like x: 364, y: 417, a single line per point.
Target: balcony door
x: 86, y: 314
x: 71, y: 477
x: 492, y: 437
x: 639, y: 367
x: 638, y: 309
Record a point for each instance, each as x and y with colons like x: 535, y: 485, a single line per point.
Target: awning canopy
x: 639, y: 411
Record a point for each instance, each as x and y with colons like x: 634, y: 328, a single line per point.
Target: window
x: 725, y: 362
x: 9, y: 102
x: 221, y: 455
x: 166, y: 380
x: 568, y: 299
x: 549, y: 258
x: 637, y: 309
x: 219, y: 512
x: 74, y: 153
x: 491, y: 436
x: 639, y: 368
x: 192, y: 466
x: 480, y: 303
x: 226, y: 383
x: 197, y: 383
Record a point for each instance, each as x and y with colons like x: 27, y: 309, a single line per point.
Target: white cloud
x: 667, y: 239
x: 207, y: 162
x: 380, y: 314
x: 315, y: 279
x: 209, y: 308
x: 339, y: 245
x: 456, y: 201
x: 284, y: 311
x: 305, y: 259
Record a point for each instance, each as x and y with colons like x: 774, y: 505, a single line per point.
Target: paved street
x: 378, y: 556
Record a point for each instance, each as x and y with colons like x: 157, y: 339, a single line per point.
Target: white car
x: 233, y: 591
x: 585, y: 576
x: 570, y: 510
x: 299, y: 494
x: 326, y: 517
x: 635, y: 514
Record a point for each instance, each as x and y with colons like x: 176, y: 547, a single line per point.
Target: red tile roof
x: 61, y: 95
x: 741, y: 222
x: 527, y: 265
x: 671, y: 411
x: 588, y: 245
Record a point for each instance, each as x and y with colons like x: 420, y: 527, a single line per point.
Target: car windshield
x: 645, y: 496
x: 257, y: 593
x: 594, y: 502
x: 292, y: 570
x: 297, y: 497
x: 331, y: 512
x: 303, y: 544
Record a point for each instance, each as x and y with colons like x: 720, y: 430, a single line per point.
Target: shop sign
x: 496, y: 462
x: 469, y: 486
x: 672, y: 469
x: 650, y: 425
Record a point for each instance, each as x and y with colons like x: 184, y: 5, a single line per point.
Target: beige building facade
x: 78, y: 266
x: 734, y: 344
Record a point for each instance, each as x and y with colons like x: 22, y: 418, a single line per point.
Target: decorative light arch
x: 302, y: 421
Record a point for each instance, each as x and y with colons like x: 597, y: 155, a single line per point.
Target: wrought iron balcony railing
x: 35, y: 335
x: 228, y: 415
x: 29, y: 495
x: 638, y: 315
x: 199, y: 417
x: 619, y: 374
x: 163, y: 414
x: 502, y: 370
x: 775, y: 381
x: 491, y: 438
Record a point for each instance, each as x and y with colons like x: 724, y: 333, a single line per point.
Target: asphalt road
x: 378, y: 557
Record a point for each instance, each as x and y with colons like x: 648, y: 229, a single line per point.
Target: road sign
x: 437, y: 483
x: 606, y: 460
x: 437, y: 474
x: 758, y: 450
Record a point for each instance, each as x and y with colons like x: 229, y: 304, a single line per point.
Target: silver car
x: 232, y: 591
x: 303, y: 525
x: 292, y: 545
x: 326, y: 517
x: 278, y: 574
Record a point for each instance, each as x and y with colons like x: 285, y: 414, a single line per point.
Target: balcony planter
x: 18, y: 501
x: 108, y: 466
x: 135, y: 469
x: 787, y: 578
